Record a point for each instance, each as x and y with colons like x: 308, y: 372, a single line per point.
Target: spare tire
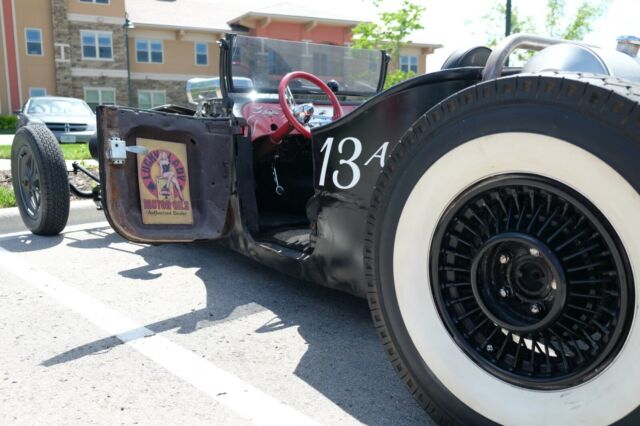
x: 40, y: 180
x: 503, y: 253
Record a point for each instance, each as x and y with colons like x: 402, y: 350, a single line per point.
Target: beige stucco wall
x: 415, y: 51
x: 4, y: 102
x: 179, y: 52
x: 35, y: 71
x: 114, y: 8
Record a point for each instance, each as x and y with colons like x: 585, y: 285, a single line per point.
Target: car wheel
x: 40, y: 180
x: 503, y: 253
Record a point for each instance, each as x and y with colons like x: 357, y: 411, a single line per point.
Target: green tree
x: 494, y: 20
x: 557, y: 23
x: 390, y: 34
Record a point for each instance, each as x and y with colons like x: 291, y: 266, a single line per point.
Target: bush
x: 7, y: 198
x: 8, y: 122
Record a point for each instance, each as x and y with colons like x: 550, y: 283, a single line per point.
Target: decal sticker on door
x: 163, y: 179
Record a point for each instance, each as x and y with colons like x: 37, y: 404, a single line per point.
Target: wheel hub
x: 531, y: 281
x: 518, y: 282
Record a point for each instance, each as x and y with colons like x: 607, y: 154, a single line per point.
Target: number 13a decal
x: 350, y: 162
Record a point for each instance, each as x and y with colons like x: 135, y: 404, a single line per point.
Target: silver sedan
x: 71, y: 120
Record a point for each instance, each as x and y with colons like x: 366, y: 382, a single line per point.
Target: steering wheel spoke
x: 290, y: 107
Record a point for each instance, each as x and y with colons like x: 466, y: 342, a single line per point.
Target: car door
x: 165, y: 177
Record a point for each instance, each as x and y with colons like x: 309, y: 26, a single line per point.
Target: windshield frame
x: 226, y: 72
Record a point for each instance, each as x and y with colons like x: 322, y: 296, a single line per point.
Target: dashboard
x: 265, y: 117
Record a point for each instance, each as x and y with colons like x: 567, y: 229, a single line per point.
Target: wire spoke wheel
x: 532, y: 281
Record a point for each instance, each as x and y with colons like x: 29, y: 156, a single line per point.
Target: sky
x: 456, y: 24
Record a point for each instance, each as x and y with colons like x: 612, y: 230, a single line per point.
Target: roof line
x: 287, y: 17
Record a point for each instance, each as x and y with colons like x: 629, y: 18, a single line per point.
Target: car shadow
x: 344, y: 359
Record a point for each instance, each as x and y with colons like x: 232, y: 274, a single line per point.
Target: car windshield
x: 59, y: 106
x: 266, y: 61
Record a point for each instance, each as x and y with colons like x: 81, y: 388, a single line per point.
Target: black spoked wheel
x: 532, y: 281
x: 28, y: 178
x: 40, y: 180
x: 502, y: 253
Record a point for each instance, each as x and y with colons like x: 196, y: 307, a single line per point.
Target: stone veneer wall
x: 68, y: 33
x: 175, y: 90
x: 61, y: 37
x: 119, y: 53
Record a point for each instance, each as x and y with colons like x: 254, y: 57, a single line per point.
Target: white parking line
x: 241, y: 397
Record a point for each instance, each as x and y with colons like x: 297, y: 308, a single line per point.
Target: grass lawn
x: 7, y: 198
x: 75, y: 151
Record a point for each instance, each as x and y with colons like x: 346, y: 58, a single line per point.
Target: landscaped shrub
x: 8, y: 122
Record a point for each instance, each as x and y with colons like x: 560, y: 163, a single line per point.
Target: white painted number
x: 380, y: 154
x: 350, y: 162
x: 323, y: 172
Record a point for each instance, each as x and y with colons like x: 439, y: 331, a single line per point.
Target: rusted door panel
x: 209, y: 147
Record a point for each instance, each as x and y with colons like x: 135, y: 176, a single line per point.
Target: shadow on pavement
x: 344, y: 359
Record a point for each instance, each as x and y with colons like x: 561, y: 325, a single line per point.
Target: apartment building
x: 79, y: 48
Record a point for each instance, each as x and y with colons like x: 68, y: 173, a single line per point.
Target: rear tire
x: 550, y: 141
x: 40, y: 180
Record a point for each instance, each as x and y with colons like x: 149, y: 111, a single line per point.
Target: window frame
x: 152, y: 92
x: 409, y: 64
x: 26, y: 41
x: 148, y: 42
x: 96, y: 36
x: 99, y: 90
x: 206, y: 53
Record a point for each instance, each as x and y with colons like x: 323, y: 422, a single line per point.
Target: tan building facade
x: 78, y: 48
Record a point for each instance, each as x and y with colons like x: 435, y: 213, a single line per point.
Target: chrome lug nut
x: 505, y: 292
x: 536, y: 308
x: 489, y: 348
x: 504, y: 259
x: 534, y: 252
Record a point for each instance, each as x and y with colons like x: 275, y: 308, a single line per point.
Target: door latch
x: 118, y: 150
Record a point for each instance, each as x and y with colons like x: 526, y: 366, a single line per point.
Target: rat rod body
x: 484, y: 212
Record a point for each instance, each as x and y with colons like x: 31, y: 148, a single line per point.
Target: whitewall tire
x: 460, y: 293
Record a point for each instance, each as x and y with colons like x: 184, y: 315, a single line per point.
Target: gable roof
x: 287, y: 11
x: 217, y: 16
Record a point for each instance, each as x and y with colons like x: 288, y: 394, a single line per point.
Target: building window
x: 97, y: 45
x: 37, y: 91
x: 95, y: 1
x: 33, y: 38
x: 409, y: 63
x: 202, y: 54
x: 149, y: 51
x: 148, y: 99
x: 95, y: 96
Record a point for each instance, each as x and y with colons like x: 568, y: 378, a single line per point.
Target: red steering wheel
x: 287, y: 103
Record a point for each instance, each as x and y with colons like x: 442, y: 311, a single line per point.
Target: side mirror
x: 18, y: 111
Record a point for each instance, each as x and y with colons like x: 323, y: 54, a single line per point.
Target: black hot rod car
x: 487, y: 213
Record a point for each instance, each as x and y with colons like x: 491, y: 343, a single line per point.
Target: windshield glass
x: 266, y: 61
x: 59, y: 106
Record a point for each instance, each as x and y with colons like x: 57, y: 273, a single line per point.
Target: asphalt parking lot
x: 97, y: 330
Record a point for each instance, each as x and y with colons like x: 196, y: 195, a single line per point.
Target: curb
x: 83, y: 211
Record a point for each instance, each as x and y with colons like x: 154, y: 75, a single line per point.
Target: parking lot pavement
x: 98, y: 330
